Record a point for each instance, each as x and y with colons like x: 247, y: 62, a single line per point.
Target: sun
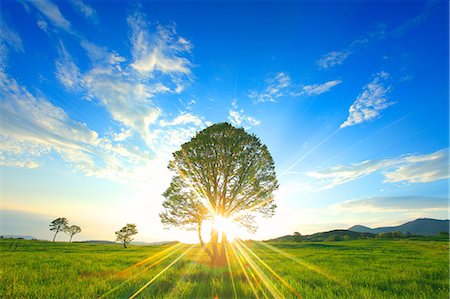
x: 225, y: 225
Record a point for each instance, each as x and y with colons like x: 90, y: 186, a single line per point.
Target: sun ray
x: 125, y: 272
x: 307, y: 265
x: 150, y: 258
x: 236, y: 254
x: 271, y: 270
x: 186, y: 271
x: 353, y: 145
x: 230, y: 270
x: 309, y: 152
x: 257, y: 270
x: 160, y: 273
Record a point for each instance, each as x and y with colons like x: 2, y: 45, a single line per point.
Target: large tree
x: 72, y: 230
x: 57, y: 225
x: 126, y: 233
x: 221, y: 172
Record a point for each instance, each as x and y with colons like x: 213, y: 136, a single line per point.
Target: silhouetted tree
x: 297, y: 236
x: 126, y: 233
x: 58, y: 225
x: 221, y: 172
x: 72, y: 230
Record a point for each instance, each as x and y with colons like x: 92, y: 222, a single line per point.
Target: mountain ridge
x: 420, y: 226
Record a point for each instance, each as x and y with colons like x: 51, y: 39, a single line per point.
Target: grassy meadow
x: 346, y: 269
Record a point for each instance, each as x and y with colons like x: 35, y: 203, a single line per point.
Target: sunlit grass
x: 348, y: 269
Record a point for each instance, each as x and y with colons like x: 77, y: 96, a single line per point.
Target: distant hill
x: 332, y: 234
x: 152, y: 243
x: 18, y: 237
x: 421, y: 226
x: 96, y: 242
x: 418, y: 227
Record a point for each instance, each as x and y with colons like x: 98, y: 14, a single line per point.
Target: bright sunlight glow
x: 225, y: 225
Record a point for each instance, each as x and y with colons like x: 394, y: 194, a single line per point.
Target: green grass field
x: 346, y: 269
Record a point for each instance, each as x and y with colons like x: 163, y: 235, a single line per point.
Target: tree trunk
x: 124, y: 244
x: 70, y: 241
x: 54, y: 237
x: 214, y: 247
x: 199, y: 231
x: 223, y: 251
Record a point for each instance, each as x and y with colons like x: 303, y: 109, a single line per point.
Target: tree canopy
x: 72, y: 230
x: 222, y: 171
x: 57, y: 225
x: 126, y: 233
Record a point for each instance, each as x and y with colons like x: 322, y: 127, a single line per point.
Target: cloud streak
x: 318, y: 89
x: 338, y: 57
x: 67, y: 72
x: 368, y: 105
x: 86, y: 10
x: 9, y: 39
x: 332, y: 59
x: 52, y: 12
x: 405, y: 169
x: 276, y: 86
x: 33, y: 128
x: 281, y: 85
x: 182, y: 119
x: 395, y: 203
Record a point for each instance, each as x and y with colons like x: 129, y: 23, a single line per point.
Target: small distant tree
x: 297, y: 237
x: 126, y: 233
x: 57, y: 225
x: 346, y: 237
x: 72, y: 230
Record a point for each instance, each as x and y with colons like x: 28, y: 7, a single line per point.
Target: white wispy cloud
x: 52, y: 12
x: 127, y: 101
x: 160, y: 51
x: 43, y: 25
x: 85, y: 9
x: 395, y: 203
x: 33, y: 128
x: 276, y: 86
x: 421, y: 168
x: 182, y: 119
x: 238, y: 118
x: 122, y: 135
x: 9, y: 39
x: 317, y: 89
x: 126, y: 89
x: 335, y: 58
x: 332, y: 59
x: 67, y: 71
x: 369, y: 104
x: 408, y: 169
x: 281, y: 85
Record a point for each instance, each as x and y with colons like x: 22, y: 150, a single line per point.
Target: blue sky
x: 351, y: 99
